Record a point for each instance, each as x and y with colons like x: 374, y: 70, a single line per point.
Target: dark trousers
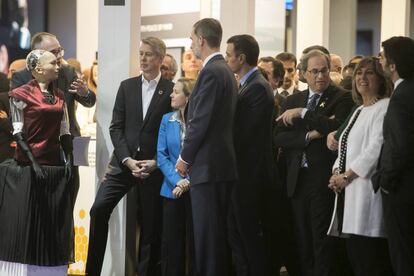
x: 210, y: 203
x: 246, y: 237
x: 368, y: 256
x: 112, y: 189
x: 177, y: 240
x: 399, y: 223
x: 281, y: 245
x: 312, y: 206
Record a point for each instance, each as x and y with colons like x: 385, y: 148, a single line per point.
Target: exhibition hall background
x: 85, y: 28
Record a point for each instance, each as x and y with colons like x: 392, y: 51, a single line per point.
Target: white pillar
x: 236, y: 17
x: 118, y: 47
x: 395, y: 18
x: 86, y: 31
x: 270, y: 18
x: 342, y: 32
x: 312, y: 24
x: 205, y: 8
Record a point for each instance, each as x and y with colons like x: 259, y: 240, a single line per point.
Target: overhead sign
x: 114, y: 3
x: 168, y: 26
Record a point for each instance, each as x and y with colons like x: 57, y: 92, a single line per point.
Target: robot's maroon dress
x: 36, y: 223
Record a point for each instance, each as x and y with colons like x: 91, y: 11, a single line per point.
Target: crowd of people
x: 238, y: 171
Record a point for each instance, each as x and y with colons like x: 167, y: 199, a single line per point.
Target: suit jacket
x: 168, y: 150
x: 67, y: 75
x: 6, y: 129
x: 332, y: 109
x: 253, y: 132
x: 128, y: 129
x: 396, y: 163
x: 208, y: 145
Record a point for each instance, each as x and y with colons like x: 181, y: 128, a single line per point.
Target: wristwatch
x: 345, y: 177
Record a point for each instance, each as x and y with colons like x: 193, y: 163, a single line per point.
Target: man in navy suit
x: 207, y: 154
x: 139, y: 106
x: 253, y: 146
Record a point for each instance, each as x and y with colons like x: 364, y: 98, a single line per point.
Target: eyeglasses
x: 58, y: 52
x: 315, y: 72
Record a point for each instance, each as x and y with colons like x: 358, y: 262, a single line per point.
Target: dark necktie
x: 313, y: 101
x: 284, y: 93
x: 310, y: 106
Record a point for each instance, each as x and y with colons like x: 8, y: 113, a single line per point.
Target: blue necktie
x: 313, y: 101
x: 310, y: 106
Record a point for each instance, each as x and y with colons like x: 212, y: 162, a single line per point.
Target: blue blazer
x: 168, y: 150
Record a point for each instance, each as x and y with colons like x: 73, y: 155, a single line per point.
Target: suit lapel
x: 137, y: 87
x: 323, y: 101
x: 158, y: 93
x: 304, y: 99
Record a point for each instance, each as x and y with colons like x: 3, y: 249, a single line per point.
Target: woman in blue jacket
x: 176, y: 203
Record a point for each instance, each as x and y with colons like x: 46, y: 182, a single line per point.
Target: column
x: 205, y: 8
x: 86, y: 31
x: 312, y: 24
x: 395, y: 18
x: 269, y: 23
x: 236, y: 17
x: 342, y: 32
x: 118, y: 47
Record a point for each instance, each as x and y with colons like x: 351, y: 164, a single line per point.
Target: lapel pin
x: 322, y: 104
x: 160, y: 92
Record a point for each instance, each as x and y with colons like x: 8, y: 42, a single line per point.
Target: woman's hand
x: 337, y: 182
x: 182, y: 186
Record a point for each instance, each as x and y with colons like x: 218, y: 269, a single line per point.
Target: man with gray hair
x: 308, y: 117
x: 169, y: 67
x: 139, y: 106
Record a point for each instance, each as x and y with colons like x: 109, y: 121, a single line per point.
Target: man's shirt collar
x: 210, y: 57
x: 247, y: 75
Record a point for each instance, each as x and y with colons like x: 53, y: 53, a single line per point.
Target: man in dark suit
x: 289, y: 64
x: 310, y: 115
x: 207, y: 154
x: 396, y: 164
x: 139, y: 106
x: 74, y: 89
x: 280, y: 241
x: 253, y: 146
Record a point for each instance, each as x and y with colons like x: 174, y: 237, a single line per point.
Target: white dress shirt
x: 289, y: 90
x: 148, y: 89
x: 397, y: 83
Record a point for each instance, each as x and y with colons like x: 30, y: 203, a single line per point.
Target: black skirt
x: 36, y: 221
